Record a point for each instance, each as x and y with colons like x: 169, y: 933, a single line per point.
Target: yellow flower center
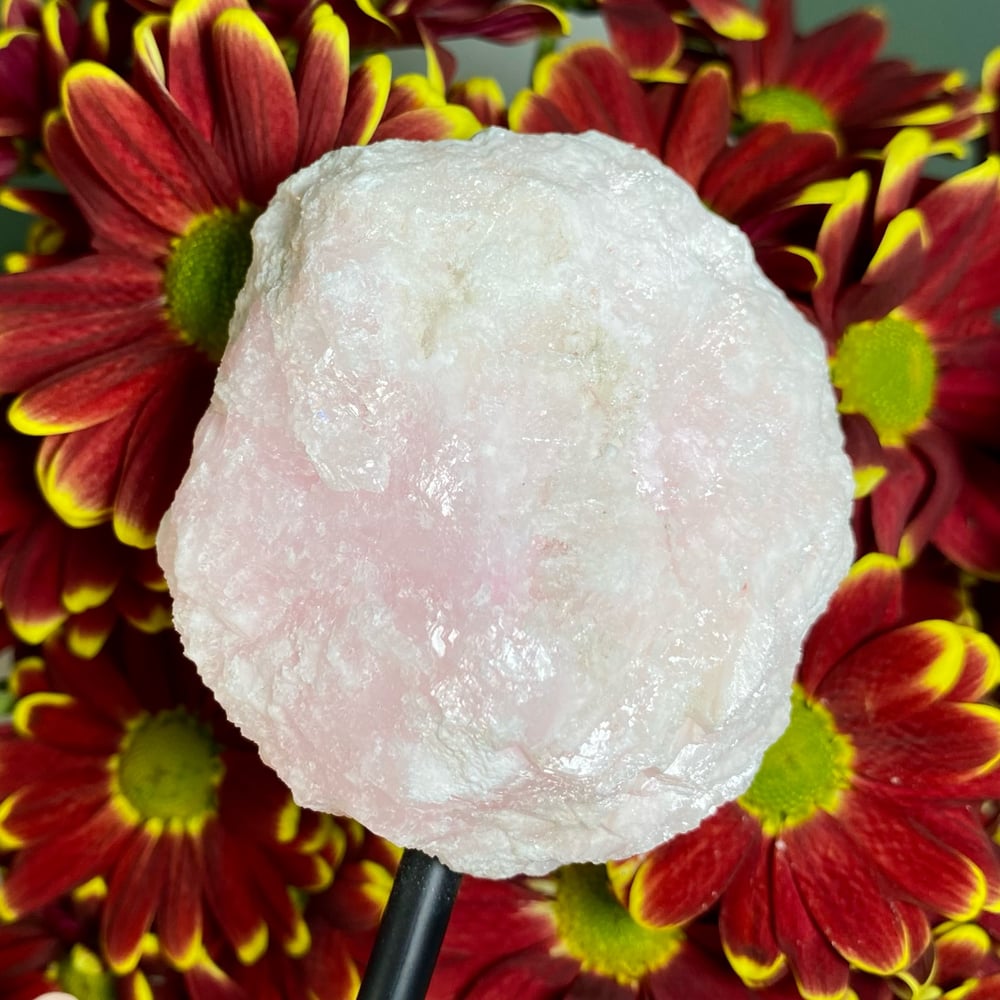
x: 800, y: 111
x: 886, y: 371
x: 805, y: 771
x: 599, y: 933
x: 168, y: 767
x: 203, y: 275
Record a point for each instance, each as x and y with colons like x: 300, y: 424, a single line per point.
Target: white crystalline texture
x: 519, y: 491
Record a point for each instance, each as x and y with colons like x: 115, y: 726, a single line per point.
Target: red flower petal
x: 939, y: 451
x: 78, y: 472
x: 701, y: 127
x: 116, y: 225
x: 92, y: 568
x: 21, y: 54
x: 97, y: 685
x: 895, y: 674
x: 980, y: 669
x: 22, y: 762
x: 31, y: 589
x: 969, y: 534
x: 321, y: 77
x: 490, y: 919
x: 253, y: 800
x: 532, y: 114
x: 483, y: 97
x: 926, y: 870
x: 275, y: 902
x: 867, y: 602
x: 746, y: 919
x: 129, y: 146
x: 148, y: 610
x: 831, y: 875
x: 766, y: 62
x: 937, y: 750
x: 259, y: 121
x: 916, y: 926
x: 960, y: 212
x: 46, y: 806
x: 149, y: 76
x: 179, y: 921
x: 53, y: 319
x: 731, y: 18
x: 645, y: 37
x: 820, y: 973
x: 683, y: 877
x: 827, y: 62
x: 511, y: 978
x: 329, y: 962
x: 133, y: 898
x: 967, y: 394
x: 188, y: 80
x: 86, y: 633
x: 836, y: 245
x: 961, y: 828
x: 231, y: 897
x: 58, y: 719
x: 159, y: 450
x: 769, y: 165
x: 42, y: 873
x: 446, y: 122
x: 95, y: 391
x: 367, y: 93
x: 592, y: 90
x: 894, y: 271
x: 904, y: 157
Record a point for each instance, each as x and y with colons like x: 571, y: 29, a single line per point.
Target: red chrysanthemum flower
x: 27, y: 950
x: 342, y: 920
x: 568, y: 936
x: 56, y: 235
x: 863, y: 818
x: 647, y: 35
x: 59, y: 949
x: 961, y: 964
x: 831, y: 80
x: 122, y: 768
x: 429, y: 22
x: 688, y: 126
x: 38, y: 41
x: 53, y: 576
x: 51, y: 952
x: 114, y: 354
x: 907, y: 314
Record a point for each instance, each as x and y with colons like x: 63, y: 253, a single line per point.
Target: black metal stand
x: 412, y: 929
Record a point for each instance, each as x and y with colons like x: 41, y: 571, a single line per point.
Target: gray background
x: 933, y: 34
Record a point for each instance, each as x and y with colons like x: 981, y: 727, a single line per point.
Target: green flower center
x: 887, y: 372
x: 599, y: 933
x: 169, y: 767
x: 801, y: 111
x: 82, y: 974
x: 805, y: 771
x: 203, y: 275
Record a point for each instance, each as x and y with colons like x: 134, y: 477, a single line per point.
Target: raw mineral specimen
x: 519, y: 491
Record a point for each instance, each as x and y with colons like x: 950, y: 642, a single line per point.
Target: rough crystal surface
x: 519, y: 491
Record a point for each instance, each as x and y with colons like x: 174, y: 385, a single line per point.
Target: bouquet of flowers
x: 145, y: 849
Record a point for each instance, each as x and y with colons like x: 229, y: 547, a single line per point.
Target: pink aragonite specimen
x: 519, y: 491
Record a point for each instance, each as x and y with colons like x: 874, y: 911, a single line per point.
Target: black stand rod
x: 413, y: 925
